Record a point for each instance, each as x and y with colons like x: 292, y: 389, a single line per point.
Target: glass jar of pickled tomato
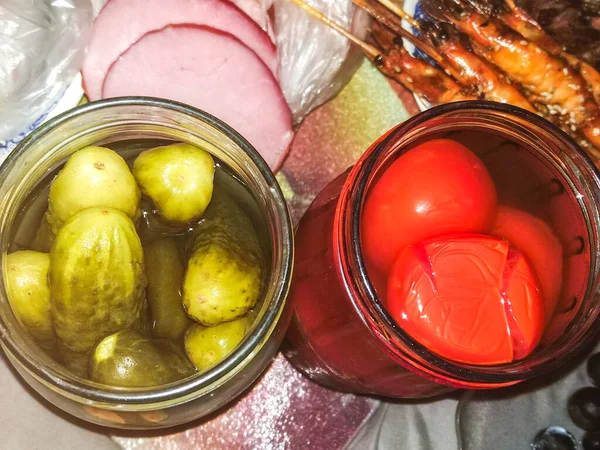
x: 128, y: 125
x: 342, y: 335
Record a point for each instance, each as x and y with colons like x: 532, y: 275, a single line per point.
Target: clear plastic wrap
x: 314, y: 60
x: 258, y: 10
x: 42, y: 44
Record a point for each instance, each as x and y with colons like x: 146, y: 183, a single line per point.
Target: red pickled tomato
x: 438, y: 187
x: 540, y: 245
x: 469, y: 298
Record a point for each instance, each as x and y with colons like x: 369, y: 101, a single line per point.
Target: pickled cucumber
x: 93, y: 176
x: 44, y: 237
x: 96, y: 278
x: 224, y: 274
x: 144, y: 323
x: 151, y: 227
x: 178, y: 178
x: 164, y: 271
x: 207, y: 346
x: 129, y: 359
x: 27, y: 288
x: 77, y: 362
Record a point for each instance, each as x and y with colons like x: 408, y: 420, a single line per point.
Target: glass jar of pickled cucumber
x: 129, y: 126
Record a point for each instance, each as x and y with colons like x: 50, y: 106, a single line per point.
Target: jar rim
x: 188, y: 388
x: 352, y: 267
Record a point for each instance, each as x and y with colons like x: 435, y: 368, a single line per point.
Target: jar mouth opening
x: 278, y: 281
x: 357, y: 282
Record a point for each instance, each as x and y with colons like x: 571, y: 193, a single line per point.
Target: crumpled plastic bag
x: 315, y: 62
x: 258, y: 10
x: 42, y: 44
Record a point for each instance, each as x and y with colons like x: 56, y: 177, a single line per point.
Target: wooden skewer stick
x: 400, y: 12
x: 367, y: 48
x: 397, y: 28
x: 511, y: 4
x: 394, y: 24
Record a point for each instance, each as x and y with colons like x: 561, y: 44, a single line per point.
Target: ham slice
x: 123, y: 22
x: 213, y: 71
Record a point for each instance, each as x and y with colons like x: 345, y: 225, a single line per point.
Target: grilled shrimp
x: 472, y: 69
x: 415, y: 74
x: 517, y: 19
x: 391, y: 21
x: 466, y: 68
x: 520, y: 21
x: 545, y: 77
x: 395, y: 62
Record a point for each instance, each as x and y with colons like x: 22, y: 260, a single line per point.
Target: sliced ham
x: 213, y: 71
x: 123, y: 22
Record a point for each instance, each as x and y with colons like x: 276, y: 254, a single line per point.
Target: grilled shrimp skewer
x: 530, y: 29
x: 545, y: 77
x: 391, y: 21
x: 517, y: 19
x: 415, y: 74
x: 392, y: 59
x: 473, y: 71
x: 457, y: 61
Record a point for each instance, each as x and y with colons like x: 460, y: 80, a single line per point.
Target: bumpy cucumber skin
x: 224, y: 275
x: 96, y: 278
x: 129, y: 359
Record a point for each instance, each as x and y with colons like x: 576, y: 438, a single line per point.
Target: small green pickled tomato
x: 93, y: 176
x: 178, y: 178
x: 207, y: 346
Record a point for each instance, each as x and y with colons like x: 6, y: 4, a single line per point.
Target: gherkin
x: 44, y: 237
x: 207, y: 346
x: 178, y: 178
x: 92, y: 176
x: 76, y: 361
x: 96, y: 279
x: 165, y: 271
x: 224, y: 276
x: 129, y: 359
x: 144, y: 324
x: 27, y: 288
